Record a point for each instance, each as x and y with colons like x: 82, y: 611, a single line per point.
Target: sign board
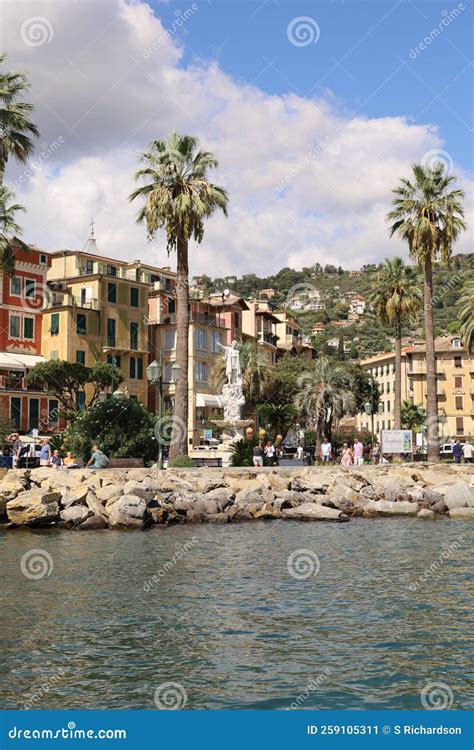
x: 207, y: 434
x: 34, y: 432
x: 397, y: 441
x: 419, y: 439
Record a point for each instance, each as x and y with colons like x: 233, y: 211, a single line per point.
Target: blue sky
x: 362, y: 56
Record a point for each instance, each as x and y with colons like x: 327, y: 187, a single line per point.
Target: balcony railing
x: 197, y: 317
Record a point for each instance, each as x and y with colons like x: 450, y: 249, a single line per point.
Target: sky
x: 314, y: 111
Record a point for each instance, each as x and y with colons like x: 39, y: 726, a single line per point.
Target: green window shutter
x: 81, y: 357
x: 81, y: 324
x: 133, y: 368
x: 111, y: 292
x: 134, y: 296
x: 140, y: 368
x: 28, y: 328
x: 54, y: 329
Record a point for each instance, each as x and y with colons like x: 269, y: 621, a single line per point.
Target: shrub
x: 182, y: 462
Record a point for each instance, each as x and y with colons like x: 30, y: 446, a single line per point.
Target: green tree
x: 255, y: 370
x: 16, y: 128
x: 279, y: 416
x: 412, y: 416
x: 340, y: 349
x: 360, y: 386
x: 398, y: 295
x: 466, y: 315
x: 325, y: 396
x: 282, y: 382
x: 179, y: 198
x: 122, y: 428
x: 9, y: 229
x: 428, y: 215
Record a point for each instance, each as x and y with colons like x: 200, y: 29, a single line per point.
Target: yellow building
x: 455, y: 377
x: 259, y: 323
x: 97, y: 311
x: 290, y: 338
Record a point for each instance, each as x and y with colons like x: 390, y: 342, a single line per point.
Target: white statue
x: 233, y: 369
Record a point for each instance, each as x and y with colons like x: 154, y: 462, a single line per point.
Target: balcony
x: 264, y: 337
x: 69, y: 300
x: 197, y: 317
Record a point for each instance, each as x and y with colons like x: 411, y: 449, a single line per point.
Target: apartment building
x: 97, y: 311
x: 290, y: 338
x: 358, y: 304
x: 259, y: 323
x: 229, y: 308
x: 21, y: 300
x: 455, y: 378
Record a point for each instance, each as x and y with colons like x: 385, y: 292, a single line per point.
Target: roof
x: 13, y: 361
x: 268, y: 315
x: 216, y: 300
x: 442, y: 344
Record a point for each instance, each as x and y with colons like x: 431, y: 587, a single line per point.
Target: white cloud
x: 306, y: 183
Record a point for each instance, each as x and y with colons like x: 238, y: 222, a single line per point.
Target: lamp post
x: 154, y: 374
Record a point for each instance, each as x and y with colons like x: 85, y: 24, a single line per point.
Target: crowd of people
x: 49, y: 456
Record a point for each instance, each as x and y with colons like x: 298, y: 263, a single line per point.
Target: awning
x: 11, y: 361
x: 208, y: 399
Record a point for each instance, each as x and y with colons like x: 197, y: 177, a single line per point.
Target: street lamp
x: 154, y: 374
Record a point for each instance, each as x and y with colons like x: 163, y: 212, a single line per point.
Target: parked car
x: 446, y: 450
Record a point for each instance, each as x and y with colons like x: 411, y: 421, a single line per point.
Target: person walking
x: 257, y: 455
x: 457, y: 452
x: 17, y: 448
x: 346, y: 455
x: 358, y: 452
x: 270, y: 453
x: 375, y: 453
x: 467, y: 452
x: 326, y: 450
x: 45, y: 453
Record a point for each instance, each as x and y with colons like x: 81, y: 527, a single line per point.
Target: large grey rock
x: 343, y: 492
x: 389, y: 508
x: 93, y: 523
x: 462, y: 514
x: 252, y: 496
x: 427, y: 514
x: 224, y: 495
x: 109, y: 493
x: 314, y: 512
x: 433, y: 496
x: 34, y: 507
x: 96, y: 506
x: 439, y: 507
x: 75, y: 514
x: 74, y: 495
x: 209, y: 507
x: 307, y: 484
x: 129, y: 511
x: 460, y: 495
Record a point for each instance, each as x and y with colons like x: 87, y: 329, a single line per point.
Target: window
x: 389, y: 423
x: 216, y: 340
x: 200, y: 372
x: 53, y: 411
x: 382, y: 387
x: 111, y: 332
x: 33, y: 408
x: 15, y: 286
x: 458, y: 400
x: 86, y: 296
x: 200, y: 338
x: 115, y: 361
x: 458, y: 361
x: 460, y: 425
x: 458, y: 381
x: 15, y: 412
x: 383, y: 424
x: 133, y: 367
x: 134, y: 296
x: 28, y: 328
x: 139, y: 368
x: 81, y: 324
x: 111, y: 292
x: 43, y: 259
x: 111, y: 270
x: 456, y: 343
x: 80, y: 357
x: 388, y: 387
x: 89, y: 266
x: 236, y: 320
x: 80, y: 400
x: 54, y: 327
x: 171, y: 305
x: 30, y: 288
x: 388, y: 408
x: 14, y: 326
x: 134, y: 336
x: 170, y: 339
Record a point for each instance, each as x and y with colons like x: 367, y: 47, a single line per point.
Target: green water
x: 226, y: 621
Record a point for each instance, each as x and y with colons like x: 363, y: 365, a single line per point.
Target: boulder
x: 253, y: 495
x: 391, y: 508
x: 34, y: 507
x: 462, y: 514
x: 459, y: 495
x: 208, y: 507
x: 427, y: 514
x: 128, y: 511
x: 439, y: 507
x: 314, y: 512
x: 224, y: 495
x: 433, y: 496
x: 110, y: 493
x: 96, y: 506
x: 75, y: 514
x: 343, y: 492
x: 64, y: 478
x: 74, y: 495
x: 93, y: 523
x: 307, y: 484
x: 217, y: 518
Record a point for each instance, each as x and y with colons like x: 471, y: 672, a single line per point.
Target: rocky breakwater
x: 142, y: 498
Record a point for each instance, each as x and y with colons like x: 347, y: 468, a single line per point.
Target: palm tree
x: 279, y: 416
x: 178, y: 198
x: 9, y: 229
x: 412, y: 416
x: 398, y: 295
x: 428, y: 215
x: 325, y: 396
x: 15, y: 125
x: 255, y: 371
x: 466, y: 315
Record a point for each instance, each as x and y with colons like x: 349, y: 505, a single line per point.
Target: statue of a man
x: 233, y: 369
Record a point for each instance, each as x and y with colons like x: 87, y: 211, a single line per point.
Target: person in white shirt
x: 326, y: 450
x: 467, y: 452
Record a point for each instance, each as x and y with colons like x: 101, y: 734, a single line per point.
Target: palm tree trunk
x: 3, y: 163
x: 431, y: 399
x: 397, y: 421
x: 179, y: 437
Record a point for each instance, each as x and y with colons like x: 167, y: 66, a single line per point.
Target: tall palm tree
x: 398, y: 295
x: 325, y: 396
x: 15, y: 125
x: 279, y: 416
x: 178, y: 198
x: 428, y: 215
x: 9, y: 229
x: 255, y: 371
x: 466, y: 315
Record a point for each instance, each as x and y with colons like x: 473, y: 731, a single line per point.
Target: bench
x: 126, y: 463
x: 207, y: 462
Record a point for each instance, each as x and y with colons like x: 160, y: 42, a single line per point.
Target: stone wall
x: 140, y: 498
